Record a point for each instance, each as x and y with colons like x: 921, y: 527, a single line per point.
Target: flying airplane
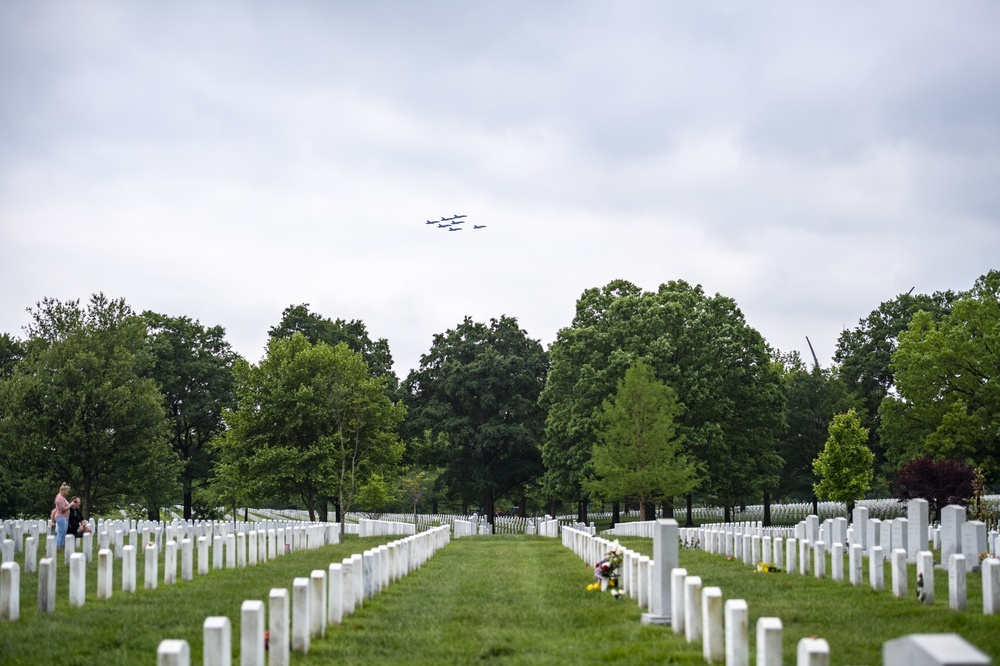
x: 455, y: 229
x: 443, y: 226
x: 458, y: 221
x: 478, y: 226
x: 431, y: 221
x: 458, y: 216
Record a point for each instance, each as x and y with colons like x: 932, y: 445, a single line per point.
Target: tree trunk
x: 727, y: 514
x: 488, y: 505
x: 187, y: 501
x: 322, y: 508
x: 668, y: 508
x: 689, y: 519
x: 434, y: 506
x: 615, y: 513
x: 767, y: 509
x: 246, y: 514
x: 581, y: 511
x: 648, y: 510
x: 816, y: 506
x: 522, y: 507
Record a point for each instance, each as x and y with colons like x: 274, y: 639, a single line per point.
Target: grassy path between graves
x: 500, y: 599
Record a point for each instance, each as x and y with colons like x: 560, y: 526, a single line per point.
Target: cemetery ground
x: 501, y: 599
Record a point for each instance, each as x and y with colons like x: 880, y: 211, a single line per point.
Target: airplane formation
x: 451, y: 223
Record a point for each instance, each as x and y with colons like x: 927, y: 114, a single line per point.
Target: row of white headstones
x: 673, y: 597
x: 242, y: 547
x: 322, y: 599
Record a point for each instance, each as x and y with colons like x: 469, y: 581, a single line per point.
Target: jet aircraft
x: 455, y: 229
x: 478, y: 226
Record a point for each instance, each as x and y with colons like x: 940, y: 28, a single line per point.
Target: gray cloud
x: 224, y: 161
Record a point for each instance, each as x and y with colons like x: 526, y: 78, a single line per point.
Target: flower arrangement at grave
x: 606, y: 572
x: 767, y: 567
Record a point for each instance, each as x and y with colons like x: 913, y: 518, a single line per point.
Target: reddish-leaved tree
x: 940, y: 482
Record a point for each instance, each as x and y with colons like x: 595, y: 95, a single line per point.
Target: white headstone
x: 252, y: 634
x: 692, y: 609
x: 932, y: 650
x: 713, y: 643
x: 10, y: 592
x: 737, y: 633
x: 665, y: 556
x: 956, y: 582
x: 769, y: 647
x: 47, y: 585
x: 217, y: 641
x: 300, y: 615
x: 917, y: 513
x: 974, y: 543
x: 876, y: 569
x: 278, y: 626
x: 317, y: 603
x: 173, y: 652
x: 77, y: 580
x: 105, y: 573
x: 677, y: 577
x: 813, y: 652
x: 925, y: 577
x: 335, y: 594
x: 952, y: 519
x: 128, y: 569
x: 899, y: 572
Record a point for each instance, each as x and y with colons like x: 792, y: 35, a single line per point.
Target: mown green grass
x: 855, y: 621
x: 500, y: 599
x: 127, y: 628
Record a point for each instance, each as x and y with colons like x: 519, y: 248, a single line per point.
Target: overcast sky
x: 225, y: 160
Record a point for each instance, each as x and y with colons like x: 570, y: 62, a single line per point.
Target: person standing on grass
x: 62, y: 515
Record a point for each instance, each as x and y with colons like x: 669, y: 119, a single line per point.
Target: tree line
x: 654, y: 399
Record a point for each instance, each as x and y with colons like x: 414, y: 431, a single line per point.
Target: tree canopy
x: 813, y: 397
x: 702, y: 348
x: 479, y: 386
x: 193, y: 367
x: 354, y: 333
x: 81, y: 408
x: 948, y: 382
x: 864, y: 355
x: 310, y: 422
x: 845, y: 466
x: 638, y: 452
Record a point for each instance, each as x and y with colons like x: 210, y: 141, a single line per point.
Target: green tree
x: 310, y: 422
x: 354, y: 333
x: 812, y: 398
x: 864, y: 356
x: 194, y: 369
x: 845, y: 466
x: 479, y: 386
x: 703, y: 349
x: 11, y: 351
x: 637, y: 456
x: 81, y: 408
x: 948, y: 382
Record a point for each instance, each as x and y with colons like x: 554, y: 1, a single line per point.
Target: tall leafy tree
x: 638, y: 452
x: 864, y: 355
x: 310, y: 422
x: 702, y: 348
x: 845, y: 466
x: 11, y: 351
x: 812, y: 397
x: 479, y: 386
x: 353, y: 333
x: 948, y: 382
x: 81, y: 407
x: 193, y: 366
